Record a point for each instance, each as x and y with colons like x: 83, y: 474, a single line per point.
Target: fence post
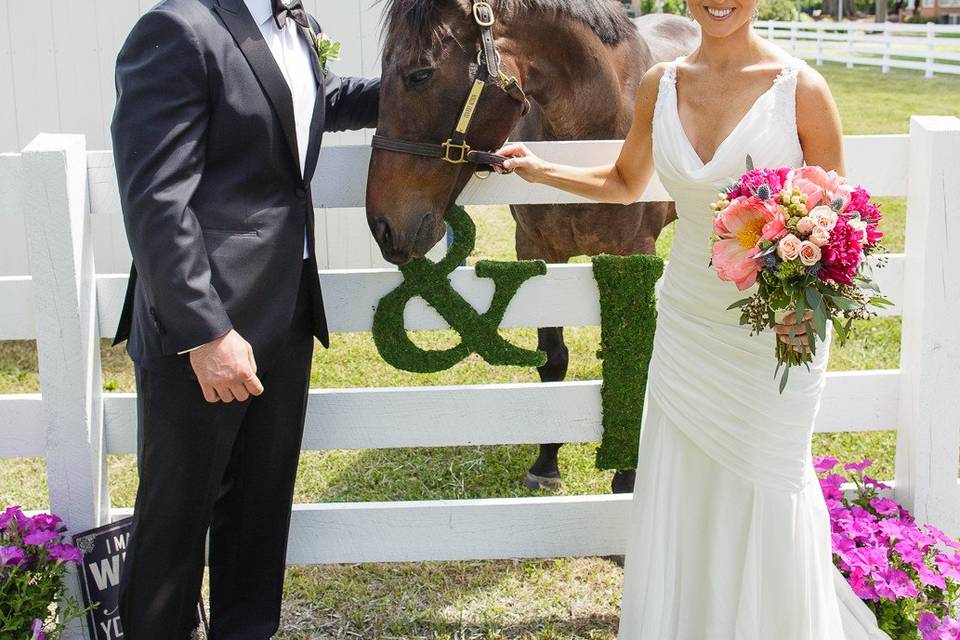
x: 886, y: 47
x: 849, y: 28
x: 819, y: 29
x: 931, y: 48
x: 928, y: 435
x: 64, y: 285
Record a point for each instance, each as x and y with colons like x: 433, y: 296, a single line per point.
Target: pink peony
x: 740, y: 227
x: 860, y: 203
x: 842, y: 255
x: 820, y: 187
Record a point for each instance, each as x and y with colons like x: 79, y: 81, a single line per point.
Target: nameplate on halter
x: 470, y: 107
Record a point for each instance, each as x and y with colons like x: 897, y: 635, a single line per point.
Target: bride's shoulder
x: 813, y: 92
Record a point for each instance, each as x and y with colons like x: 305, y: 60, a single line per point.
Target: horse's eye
x: 420, y: 76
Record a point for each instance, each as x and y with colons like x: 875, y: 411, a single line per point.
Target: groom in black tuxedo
x: 221, y: 109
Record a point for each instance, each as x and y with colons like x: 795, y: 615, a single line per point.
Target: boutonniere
x: 326, y: 49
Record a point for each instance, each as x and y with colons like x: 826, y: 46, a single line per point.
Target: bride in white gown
x: 729, y: 536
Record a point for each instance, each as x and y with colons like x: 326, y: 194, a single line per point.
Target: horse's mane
x: 419, y: 18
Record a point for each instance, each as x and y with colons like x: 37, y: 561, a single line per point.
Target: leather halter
x: 455, y: 149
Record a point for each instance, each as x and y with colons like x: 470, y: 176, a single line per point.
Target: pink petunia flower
x: 825, y: 464
x: 40, y: 538
x: 949, y: 565
x: 892, y: 584
x: 931, y: 578
x: 66, y: 553
x: 11, y: 556
x: 885, y: 506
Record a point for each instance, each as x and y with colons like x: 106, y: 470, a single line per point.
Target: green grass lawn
x: 555, y: 599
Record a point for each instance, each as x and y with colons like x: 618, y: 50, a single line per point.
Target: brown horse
x: 572, y: 67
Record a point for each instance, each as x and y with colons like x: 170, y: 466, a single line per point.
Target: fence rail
x: 68, y: 307
x: 931, y: 48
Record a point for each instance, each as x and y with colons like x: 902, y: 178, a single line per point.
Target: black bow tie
x: 292, y: 9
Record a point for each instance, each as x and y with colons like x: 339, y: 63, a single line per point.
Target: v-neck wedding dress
x: 729, y: 536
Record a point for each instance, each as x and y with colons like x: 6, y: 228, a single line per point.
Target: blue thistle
x: 763, y: 192
x: 815, y: 269
x: 770, y: 261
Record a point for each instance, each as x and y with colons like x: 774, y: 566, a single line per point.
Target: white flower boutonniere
x: 326, y: 49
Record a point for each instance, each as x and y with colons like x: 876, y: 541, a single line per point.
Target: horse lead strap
x: 455, y: 149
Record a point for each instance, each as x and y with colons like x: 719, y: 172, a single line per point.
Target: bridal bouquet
x: 803, y: 235
x: 907, y: 574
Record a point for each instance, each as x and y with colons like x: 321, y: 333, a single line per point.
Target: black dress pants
x: 229, y: 468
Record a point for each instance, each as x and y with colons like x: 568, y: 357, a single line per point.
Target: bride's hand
x: 793, y: 332
x: 522, y: 161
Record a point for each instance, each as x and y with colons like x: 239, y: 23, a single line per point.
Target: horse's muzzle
x: 400, y: 244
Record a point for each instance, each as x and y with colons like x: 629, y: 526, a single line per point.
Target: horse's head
x: 430, y: 68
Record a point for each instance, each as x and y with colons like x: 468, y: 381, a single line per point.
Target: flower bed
x: 908, y: 574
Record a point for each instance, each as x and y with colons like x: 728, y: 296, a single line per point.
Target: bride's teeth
x: 719, y: 13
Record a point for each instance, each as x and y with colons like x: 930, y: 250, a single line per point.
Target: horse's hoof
x: 623, y: 481
x: 617, y: 560
x: 535, y: 483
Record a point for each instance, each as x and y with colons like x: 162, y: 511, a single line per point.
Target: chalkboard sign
x: 104, y: 550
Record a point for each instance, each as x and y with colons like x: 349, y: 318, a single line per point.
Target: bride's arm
x: 818, y: 122
x: 622, y: 182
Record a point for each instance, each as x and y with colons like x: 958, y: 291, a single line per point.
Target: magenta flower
x: 860, y: 203
x: 949, y: 629
x: 858, y: 466
x: 874, y: 483
x: 862, y: 586
x: 941, y: 536
x: 44, y: 522
x: 893, y: 583
x: 11, y: 556
x: 40, y: 538
x: 841, y: 258
x: 909, y: 552
x: 751, y: 182
x: 66, y: 553
x: 931, y: 578
x: 885, y: 506
x: 825, y: 464
x: 37, y: 630
x: 892, y: 529
x: 13, y: 515
x: 831, y: 486
x: 949, y: 565
x: 929, y: 625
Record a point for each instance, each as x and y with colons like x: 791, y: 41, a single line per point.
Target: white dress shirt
x: 292, y: 53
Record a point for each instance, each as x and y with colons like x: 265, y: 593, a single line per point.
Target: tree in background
x: 780, y: 10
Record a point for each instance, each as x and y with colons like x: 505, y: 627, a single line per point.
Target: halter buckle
x: 483, y: 14
x: 462, y: 148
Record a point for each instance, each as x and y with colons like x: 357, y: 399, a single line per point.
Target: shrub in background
x: 676, y: 7
x: 34, y: 559
x: 779, y: 10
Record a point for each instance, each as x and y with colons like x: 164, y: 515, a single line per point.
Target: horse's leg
x: 535, y: 240
x: 545, y: 472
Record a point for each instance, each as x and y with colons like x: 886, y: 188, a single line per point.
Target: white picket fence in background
x: 931, y: 48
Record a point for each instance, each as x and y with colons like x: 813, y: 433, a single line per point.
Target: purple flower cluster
x: 888, y: 558
x: 751, y: 181
x: 27, y: 540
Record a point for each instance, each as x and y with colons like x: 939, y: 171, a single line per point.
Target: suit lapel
x: 316, y: 123
x: 247, y: 34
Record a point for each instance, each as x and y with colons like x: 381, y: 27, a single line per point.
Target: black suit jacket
x: 213, y: 198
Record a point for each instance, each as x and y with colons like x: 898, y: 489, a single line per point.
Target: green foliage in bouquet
x: 479, y: 332
x: 628, y: 320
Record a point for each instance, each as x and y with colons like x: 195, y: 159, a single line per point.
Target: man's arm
x: 159, y: 136
x: 159, y: 127
x: 352, y: 103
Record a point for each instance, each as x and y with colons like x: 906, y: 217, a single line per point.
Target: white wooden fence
x: 931, y: 48
x: 67, y: 306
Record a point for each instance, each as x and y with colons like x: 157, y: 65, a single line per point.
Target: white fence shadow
x: 68, y: 307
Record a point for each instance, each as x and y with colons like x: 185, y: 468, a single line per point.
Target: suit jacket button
x: 300, y: 193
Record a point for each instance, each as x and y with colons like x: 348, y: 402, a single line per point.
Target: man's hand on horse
x: 521, y: 160
x: 226, y: 369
